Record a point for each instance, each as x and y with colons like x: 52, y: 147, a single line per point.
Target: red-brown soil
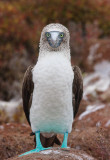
x: 86, y: 139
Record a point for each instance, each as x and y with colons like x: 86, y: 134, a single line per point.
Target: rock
x: 93, y: 140
x: 105, y: 97
x: 56, y: 154
x: 11, y: 111
x: 98, y: 81
x: 14, y: 138
x: 98, y: 114
x: 96, y: 51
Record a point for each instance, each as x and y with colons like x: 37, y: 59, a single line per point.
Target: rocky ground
x: 89, y: 140
x: 90, y: 137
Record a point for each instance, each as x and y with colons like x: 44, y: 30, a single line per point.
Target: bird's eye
x: 61, y: 35
x: 48, y: 34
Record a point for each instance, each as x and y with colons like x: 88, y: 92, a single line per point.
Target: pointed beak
x: 54, y: 39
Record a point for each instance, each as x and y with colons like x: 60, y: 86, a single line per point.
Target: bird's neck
x: 65, y: 53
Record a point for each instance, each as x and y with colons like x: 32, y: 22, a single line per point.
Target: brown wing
x: 77, y: 89
x: 27, y: 90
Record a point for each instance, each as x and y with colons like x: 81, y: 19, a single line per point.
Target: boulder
x: 56, y: 154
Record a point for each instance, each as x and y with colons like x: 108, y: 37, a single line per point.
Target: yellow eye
x: 47, y: 34
x: 61, y: 35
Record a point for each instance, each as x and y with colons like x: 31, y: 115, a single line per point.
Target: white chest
x: 51, y: 109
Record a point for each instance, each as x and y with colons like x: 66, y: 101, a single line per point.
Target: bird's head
x: 54, y: 37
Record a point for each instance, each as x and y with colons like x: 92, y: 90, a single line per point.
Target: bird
x: 52, y: 89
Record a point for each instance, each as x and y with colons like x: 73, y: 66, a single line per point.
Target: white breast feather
x: 51, y: 109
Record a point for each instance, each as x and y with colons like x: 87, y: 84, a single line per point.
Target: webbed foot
x: 35, y: 151
x: 39, y: 146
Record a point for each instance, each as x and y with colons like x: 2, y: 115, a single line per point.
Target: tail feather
x: 49, y: 141
x: 46, y: 140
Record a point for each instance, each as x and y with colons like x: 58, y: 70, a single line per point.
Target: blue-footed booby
x: 52, y: 89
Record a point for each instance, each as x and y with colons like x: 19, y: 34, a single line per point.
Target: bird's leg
x: 39, y: 146
x: 64, y: 144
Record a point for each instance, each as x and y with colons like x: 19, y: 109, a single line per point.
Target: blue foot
x: 64, y: 144
x: 39, y: 146
x: 34, y: 151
